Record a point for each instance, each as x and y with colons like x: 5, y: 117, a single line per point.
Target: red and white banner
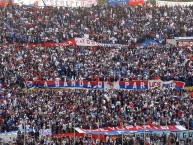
x: 181, y: 44
x: 134, y: 128
x: 136, y: 2
x: 59, y: 3
x: 65, y: 43
x: 88, y: 42
x: 82, y: 42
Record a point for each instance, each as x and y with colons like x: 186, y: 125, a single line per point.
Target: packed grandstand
x: 96, y: 75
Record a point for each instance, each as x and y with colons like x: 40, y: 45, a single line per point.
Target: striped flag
x: 19, y: 58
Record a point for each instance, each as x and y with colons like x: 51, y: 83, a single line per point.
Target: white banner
x: 182, y: 135
x: 88, y: 42
x: 113, y: 85
x: 6, y: 136
x: 58, y: 3
x: 165, y: 84
x: 154, y: 84
x: 171, y: 4
x: 45, y: 132
x: 168, y: 84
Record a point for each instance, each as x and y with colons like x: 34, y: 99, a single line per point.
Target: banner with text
x: 133, y: 128
x: 82, y: 42
x: 165, y: 84
x: 184, y: 44
x: 160, y: 3
x: 129, y: 85
x: 59, y: 3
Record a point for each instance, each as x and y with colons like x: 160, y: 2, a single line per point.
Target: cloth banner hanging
x: 129, y: 85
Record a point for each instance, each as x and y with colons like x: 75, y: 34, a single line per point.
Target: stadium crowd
x: 58, y: 109
x: 119, y: 24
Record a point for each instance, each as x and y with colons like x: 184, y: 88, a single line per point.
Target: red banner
x: 181, y: 44
x: 65, y: 43
x: 69, y: 135
x: 2, y: 3
x: 82, y: 135
x: 136, y: 2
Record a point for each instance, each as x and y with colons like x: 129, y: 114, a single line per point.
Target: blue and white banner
x: 182, y: 135
x: 45, y: 132
x: 117, y: 2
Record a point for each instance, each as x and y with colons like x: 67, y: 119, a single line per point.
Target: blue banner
x: 117, y: 2
x: 148, y: 42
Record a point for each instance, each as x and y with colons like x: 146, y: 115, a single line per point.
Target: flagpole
x: 24, y: 133
x: 91, y: 133
x: 144, y: 129
x: 50, y: 126
x: 122, y: 137
x: 144, y: 120
x: 188, y: 128
x: 122, y: 131
x: 74, y: 133
x: 98, y: 128
x: 166, y: 125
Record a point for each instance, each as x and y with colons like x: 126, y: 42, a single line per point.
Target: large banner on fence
x: 178, y: 130
x: 160, y: 3
x: 129, y: 85
x: 131, y: 128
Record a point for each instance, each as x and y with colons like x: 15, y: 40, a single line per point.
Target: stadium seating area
x: 61, y: 109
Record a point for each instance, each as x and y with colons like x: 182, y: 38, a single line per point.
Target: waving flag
x: 179, y: 85
x: 19, y: 58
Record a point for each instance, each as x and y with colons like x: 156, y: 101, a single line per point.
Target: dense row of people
x: 150, y: 139
x: 120, y: 24
x: 58, y: 109
x: 86, y: 107
x: 104, y: 64
x: 61, y: 110
x: 24, y: 24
